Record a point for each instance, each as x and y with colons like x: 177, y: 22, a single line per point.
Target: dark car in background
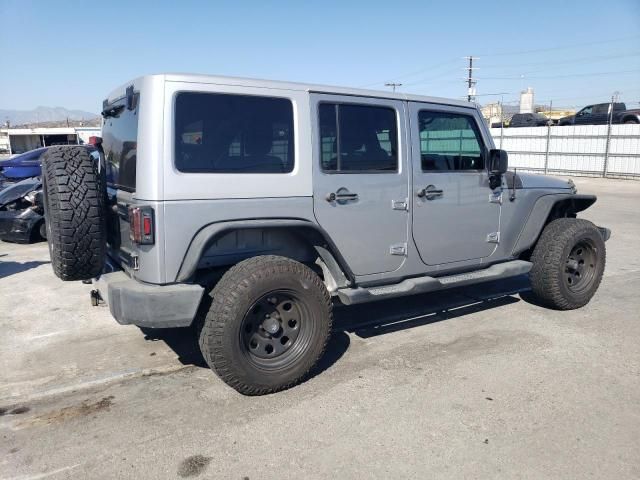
x: 529, y: 120
x: 22, y: 212
x: 598, y: 114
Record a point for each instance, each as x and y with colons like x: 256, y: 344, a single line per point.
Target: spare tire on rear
x: 74, y: 207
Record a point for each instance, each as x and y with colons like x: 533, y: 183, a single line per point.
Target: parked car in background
x: 19, y: 167
x: 529, y: 120
x: 21, y: 208
x: 21, y: 211
x: 598, y: 114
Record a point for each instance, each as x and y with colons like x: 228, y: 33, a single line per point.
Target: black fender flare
x: 544, y: 208
x: 311, y: 232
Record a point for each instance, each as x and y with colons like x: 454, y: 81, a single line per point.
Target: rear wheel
x: 268, y: 324
x: 74, y: 202
x: 630, y: 121
x: 568, y: 263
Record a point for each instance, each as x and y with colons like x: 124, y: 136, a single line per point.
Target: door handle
x: 342, y: 195
x: 430, y: 192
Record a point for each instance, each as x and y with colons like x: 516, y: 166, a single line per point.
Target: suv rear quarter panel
x: 191, y: 201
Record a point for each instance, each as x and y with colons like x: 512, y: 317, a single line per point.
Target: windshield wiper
x: 112, y: 111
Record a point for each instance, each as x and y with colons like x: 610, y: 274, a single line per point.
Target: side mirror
x: 498, y: 161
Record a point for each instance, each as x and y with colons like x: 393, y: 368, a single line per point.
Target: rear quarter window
x: 225, y: 133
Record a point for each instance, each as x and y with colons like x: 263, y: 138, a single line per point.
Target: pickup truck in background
x: 598, y: 114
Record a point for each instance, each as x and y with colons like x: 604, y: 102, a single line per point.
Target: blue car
x: 25, y: 165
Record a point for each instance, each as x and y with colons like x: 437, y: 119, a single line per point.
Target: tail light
x: 141, y: 225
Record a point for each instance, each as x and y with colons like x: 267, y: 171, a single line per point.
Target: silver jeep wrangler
x: 247, y: 208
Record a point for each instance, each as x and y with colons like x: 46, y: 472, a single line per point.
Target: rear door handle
x: 341, y: 195
x: 430, y: 192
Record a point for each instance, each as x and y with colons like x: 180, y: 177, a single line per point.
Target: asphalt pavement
x: 472, y: 383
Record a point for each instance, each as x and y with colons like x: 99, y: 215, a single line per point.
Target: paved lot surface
x: 474, y: 383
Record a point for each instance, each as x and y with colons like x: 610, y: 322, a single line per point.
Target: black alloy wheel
x: 274, y: 330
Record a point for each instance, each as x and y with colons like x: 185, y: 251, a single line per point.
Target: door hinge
x: 493, y: 237
x: 400, y: 204
x: 398, y: 249
x: 495, y: 197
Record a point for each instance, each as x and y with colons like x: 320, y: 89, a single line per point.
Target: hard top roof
x: 312, y: 88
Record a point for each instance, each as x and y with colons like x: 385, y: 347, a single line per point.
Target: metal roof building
x: 20, y: 140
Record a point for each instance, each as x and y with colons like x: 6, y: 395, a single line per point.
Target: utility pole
x: 471, y: 83
x: 393, y: 85
x: 607, y: 145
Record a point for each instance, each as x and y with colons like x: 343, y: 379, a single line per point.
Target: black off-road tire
x: 235, y: 300
x: 74, y: 206
x: 559, y: 253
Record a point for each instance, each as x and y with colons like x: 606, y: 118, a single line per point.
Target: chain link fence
x: 591, y: 150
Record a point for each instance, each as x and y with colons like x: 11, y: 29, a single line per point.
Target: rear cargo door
x: 120, y: 141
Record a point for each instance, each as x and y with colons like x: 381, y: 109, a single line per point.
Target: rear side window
x: 120, y: 144
x: 220, y: 133
x: 358, y: 138
x: 449, y: 141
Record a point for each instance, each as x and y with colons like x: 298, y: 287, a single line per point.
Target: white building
x: 526, y: 101
x: 20, y: 140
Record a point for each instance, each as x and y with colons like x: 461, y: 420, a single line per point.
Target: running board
x: 412, y: 286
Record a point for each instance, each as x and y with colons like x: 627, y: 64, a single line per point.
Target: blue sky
x: 72, y: 53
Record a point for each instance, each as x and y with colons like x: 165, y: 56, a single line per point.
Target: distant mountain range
x: 42, y: 115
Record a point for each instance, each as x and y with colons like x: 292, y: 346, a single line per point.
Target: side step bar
x: 412, y: 286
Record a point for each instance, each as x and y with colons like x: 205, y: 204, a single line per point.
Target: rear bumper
x: 154, y: 306
x: 17, y: 225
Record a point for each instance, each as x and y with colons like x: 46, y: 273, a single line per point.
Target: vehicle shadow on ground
x: 11, y: 268
x: 373, y: 319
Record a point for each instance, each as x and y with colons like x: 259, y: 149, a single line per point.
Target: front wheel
x: 568, y: 263
x: 268, y: 324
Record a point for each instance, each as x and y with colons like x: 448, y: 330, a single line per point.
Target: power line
x: 427, y: 80
x: 535, y: 77
x: 563, y: 47
x: 563, y: 62
x: 410, y: 74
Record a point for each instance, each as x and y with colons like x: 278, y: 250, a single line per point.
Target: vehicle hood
x: 20, y: 171
x: 18, y: 162
x: 530, y: 180
x: 18, y: 190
